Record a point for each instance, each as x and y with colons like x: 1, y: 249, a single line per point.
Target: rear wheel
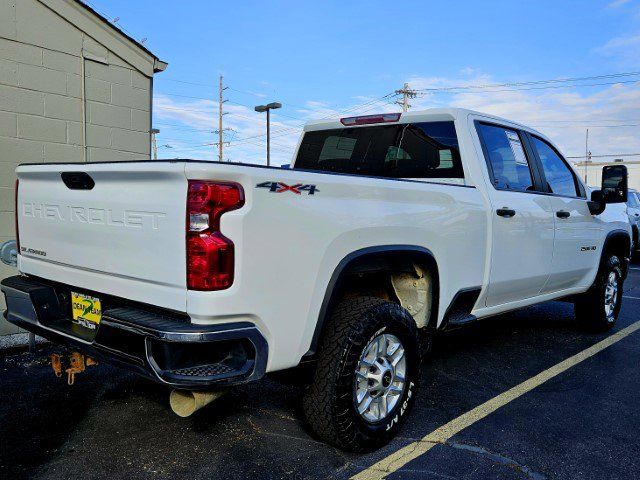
x: 598, y: 307
x: 367, y: 375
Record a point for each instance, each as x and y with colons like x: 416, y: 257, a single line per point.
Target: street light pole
x: 268, y: 137
x: 267, y: 108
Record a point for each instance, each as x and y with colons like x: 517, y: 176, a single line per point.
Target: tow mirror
x: 614, y: 188
x: 614, y: 184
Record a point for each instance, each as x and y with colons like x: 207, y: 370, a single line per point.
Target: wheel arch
x: 378, y: 258
x: 618, y: 242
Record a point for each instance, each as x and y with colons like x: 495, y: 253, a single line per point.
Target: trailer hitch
x: 71, y: 364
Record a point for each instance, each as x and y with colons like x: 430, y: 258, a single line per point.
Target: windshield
x: 414, y: 150
x: 632, y: 200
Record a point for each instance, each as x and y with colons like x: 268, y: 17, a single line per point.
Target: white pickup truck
x: 385, y: 229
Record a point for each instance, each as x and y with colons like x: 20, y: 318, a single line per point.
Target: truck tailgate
x: 126, y: 233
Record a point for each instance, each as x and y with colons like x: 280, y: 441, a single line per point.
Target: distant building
x: 73, y: 88
x: 594, y: 171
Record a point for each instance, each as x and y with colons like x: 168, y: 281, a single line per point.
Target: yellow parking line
x: 401, y: 457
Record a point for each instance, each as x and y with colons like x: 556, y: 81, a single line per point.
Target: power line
x: 371, y: 104
x: 230, y: 88
x: 544, y: 123
x: 593, y: 120
x: 259, y: 95
x: 356, y: 107
x: 367, y: 105
x: 177, y: 126
x: 275, y: 113
x: 406, y: 92
x: 590, y: 126
x: 607, y: 155
x: 549, y: 87
x: 185, y: 82
x: 534, y: 82
x: 186, y: 96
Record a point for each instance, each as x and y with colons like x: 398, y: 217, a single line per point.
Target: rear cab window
x: 422, y: 150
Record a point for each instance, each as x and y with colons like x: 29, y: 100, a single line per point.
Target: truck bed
x: 126, y: 237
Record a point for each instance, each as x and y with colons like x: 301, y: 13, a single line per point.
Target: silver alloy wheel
x: 380, y: 377
x: 611, y: 296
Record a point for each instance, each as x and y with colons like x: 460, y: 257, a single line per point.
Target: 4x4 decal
x: 279, y: 187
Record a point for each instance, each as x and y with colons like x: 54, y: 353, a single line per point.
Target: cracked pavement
x: 582, y: 424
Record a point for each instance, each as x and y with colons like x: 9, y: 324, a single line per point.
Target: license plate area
x: 86, y: 311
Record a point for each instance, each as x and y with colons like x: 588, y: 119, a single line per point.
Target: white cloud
x: 188, y: 126
x: 469, y: 71
x: 618, y: 3
x: 617, y: 44
x: 562, y: 114
x: 624, y: 50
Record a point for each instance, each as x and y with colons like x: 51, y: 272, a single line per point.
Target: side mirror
x: 614, y: 184
x: 614, y: 188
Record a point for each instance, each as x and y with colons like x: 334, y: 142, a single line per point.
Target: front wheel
x: 367, y: 375
x: 598, y: 307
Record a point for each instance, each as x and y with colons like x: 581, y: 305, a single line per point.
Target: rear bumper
x: 156, y: 344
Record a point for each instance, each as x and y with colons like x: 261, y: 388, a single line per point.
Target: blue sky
x: 322, y: 58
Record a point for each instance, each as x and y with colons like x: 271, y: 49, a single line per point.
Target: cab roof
x: 429, y: 115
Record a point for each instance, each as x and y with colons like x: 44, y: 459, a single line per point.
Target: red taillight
x: 16, y: 218
x: 210, y: 255
x: 369, y: 119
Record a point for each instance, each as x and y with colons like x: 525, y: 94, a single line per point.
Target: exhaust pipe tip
x: 185, y: 403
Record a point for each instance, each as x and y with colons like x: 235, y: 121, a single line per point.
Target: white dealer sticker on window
x: 516, y: 148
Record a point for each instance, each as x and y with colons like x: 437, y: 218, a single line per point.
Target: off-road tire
x: 328, y: 401
x: 590, y: 309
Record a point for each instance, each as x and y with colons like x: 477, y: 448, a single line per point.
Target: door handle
x: 637, y: 214
x: 505, y: 212
x: 563, y: 214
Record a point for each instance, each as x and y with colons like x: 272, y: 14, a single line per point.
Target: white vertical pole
x: 586, y: 156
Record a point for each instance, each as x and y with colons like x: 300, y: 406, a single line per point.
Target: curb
x: 18, y: 342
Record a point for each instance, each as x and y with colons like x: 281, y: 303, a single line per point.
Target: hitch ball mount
x: 71, y: 364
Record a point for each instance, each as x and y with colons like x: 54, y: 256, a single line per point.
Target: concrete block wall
x: 41, y: 120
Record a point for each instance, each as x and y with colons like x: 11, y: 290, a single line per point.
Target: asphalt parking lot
x: 582, y: 423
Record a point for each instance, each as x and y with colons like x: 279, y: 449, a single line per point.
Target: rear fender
x: 380, y: 258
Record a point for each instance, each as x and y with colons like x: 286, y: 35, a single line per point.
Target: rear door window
x: 509, y: 165
x: 414, y: 150
x: 558, y: 174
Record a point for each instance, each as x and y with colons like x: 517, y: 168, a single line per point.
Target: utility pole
x: 587, y: 156
x: 154, y: 144
x: 406, y: 93
x: 220, y: 114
